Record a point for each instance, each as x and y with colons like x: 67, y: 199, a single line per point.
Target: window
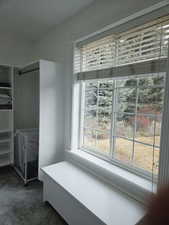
x: 121, y: 119
x: 122, y: 78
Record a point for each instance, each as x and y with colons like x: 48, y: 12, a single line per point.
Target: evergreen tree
x: 150, y: 99
x: 98, y: 100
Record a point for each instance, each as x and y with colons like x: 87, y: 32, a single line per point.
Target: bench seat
x: 83, y: 199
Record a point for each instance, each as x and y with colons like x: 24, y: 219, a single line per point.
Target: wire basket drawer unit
x: 26, y: 153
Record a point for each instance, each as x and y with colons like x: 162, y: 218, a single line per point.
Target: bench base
x: 69, y: 208
x: 83, y: 199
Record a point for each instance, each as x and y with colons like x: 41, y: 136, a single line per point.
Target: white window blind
x: 125, y: 53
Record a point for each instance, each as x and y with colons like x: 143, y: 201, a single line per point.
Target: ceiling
x: 31, y: 19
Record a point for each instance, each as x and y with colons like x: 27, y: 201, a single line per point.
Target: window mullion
x: 82, y: 114
x: 153, y: 163
x: 135, y: 119
x: 97, y: 113
x: 113, y: 119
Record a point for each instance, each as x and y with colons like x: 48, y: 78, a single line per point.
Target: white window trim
x: 164, y: 153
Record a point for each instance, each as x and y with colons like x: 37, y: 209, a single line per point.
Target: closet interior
x: 6, y: 115
x: 26, y: 121
x: 28, y: 108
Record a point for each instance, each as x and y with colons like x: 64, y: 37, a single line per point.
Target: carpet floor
x: 21, y: 205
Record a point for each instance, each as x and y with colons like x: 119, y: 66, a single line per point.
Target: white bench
x: 82, y: 199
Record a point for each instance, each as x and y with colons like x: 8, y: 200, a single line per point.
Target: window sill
x: 133, y: 185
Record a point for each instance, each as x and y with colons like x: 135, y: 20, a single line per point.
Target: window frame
x: 140, y: 17
x: 109, y: 158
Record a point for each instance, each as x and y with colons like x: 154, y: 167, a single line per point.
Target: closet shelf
x: 6, y: 110
x: 5, y: 131
x: 6, y: 115
x: 5, y: 163
x: 5, y: 140
x: 6, y: 88
x: 4, y: 152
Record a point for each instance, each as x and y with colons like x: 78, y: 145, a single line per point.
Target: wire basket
x: 26, y: 153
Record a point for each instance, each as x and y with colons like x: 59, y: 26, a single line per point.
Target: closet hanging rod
x: 28, y: 71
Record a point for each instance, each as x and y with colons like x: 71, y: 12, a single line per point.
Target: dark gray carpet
x: 21, y: 205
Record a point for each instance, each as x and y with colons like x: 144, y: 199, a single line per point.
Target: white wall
x: 14, y: 50
x: 57, y: 45
x: 51, y: 114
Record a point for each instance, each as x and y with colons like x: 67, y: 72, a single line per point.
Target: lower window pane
x: 126, y: 100
x: 90, y: 119
x: 143, y: 157
x: 124, y: 126
x: 123, y: 149
x: 96, y: 141
x: 103, y: 142
x: 157, y: 132
x: 89, y: 139
x: 148, y: 130
x: 145, y: 129
x: 104, y: 119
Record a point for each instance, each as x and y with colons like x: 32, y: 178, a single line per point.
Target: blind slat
x: 147, y: 42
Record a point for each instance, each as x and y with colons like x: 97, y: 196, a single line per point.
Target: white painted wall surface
x: 57, y: 45
x: 14, y: 50
x: 51, y: 114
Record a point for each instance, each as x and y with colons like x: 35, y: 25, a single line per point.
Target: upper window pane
x: 150, y: 100
x: 126, y: 82
x: 91, y: 98
x: 154, y: 80
x: 126, y: 99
